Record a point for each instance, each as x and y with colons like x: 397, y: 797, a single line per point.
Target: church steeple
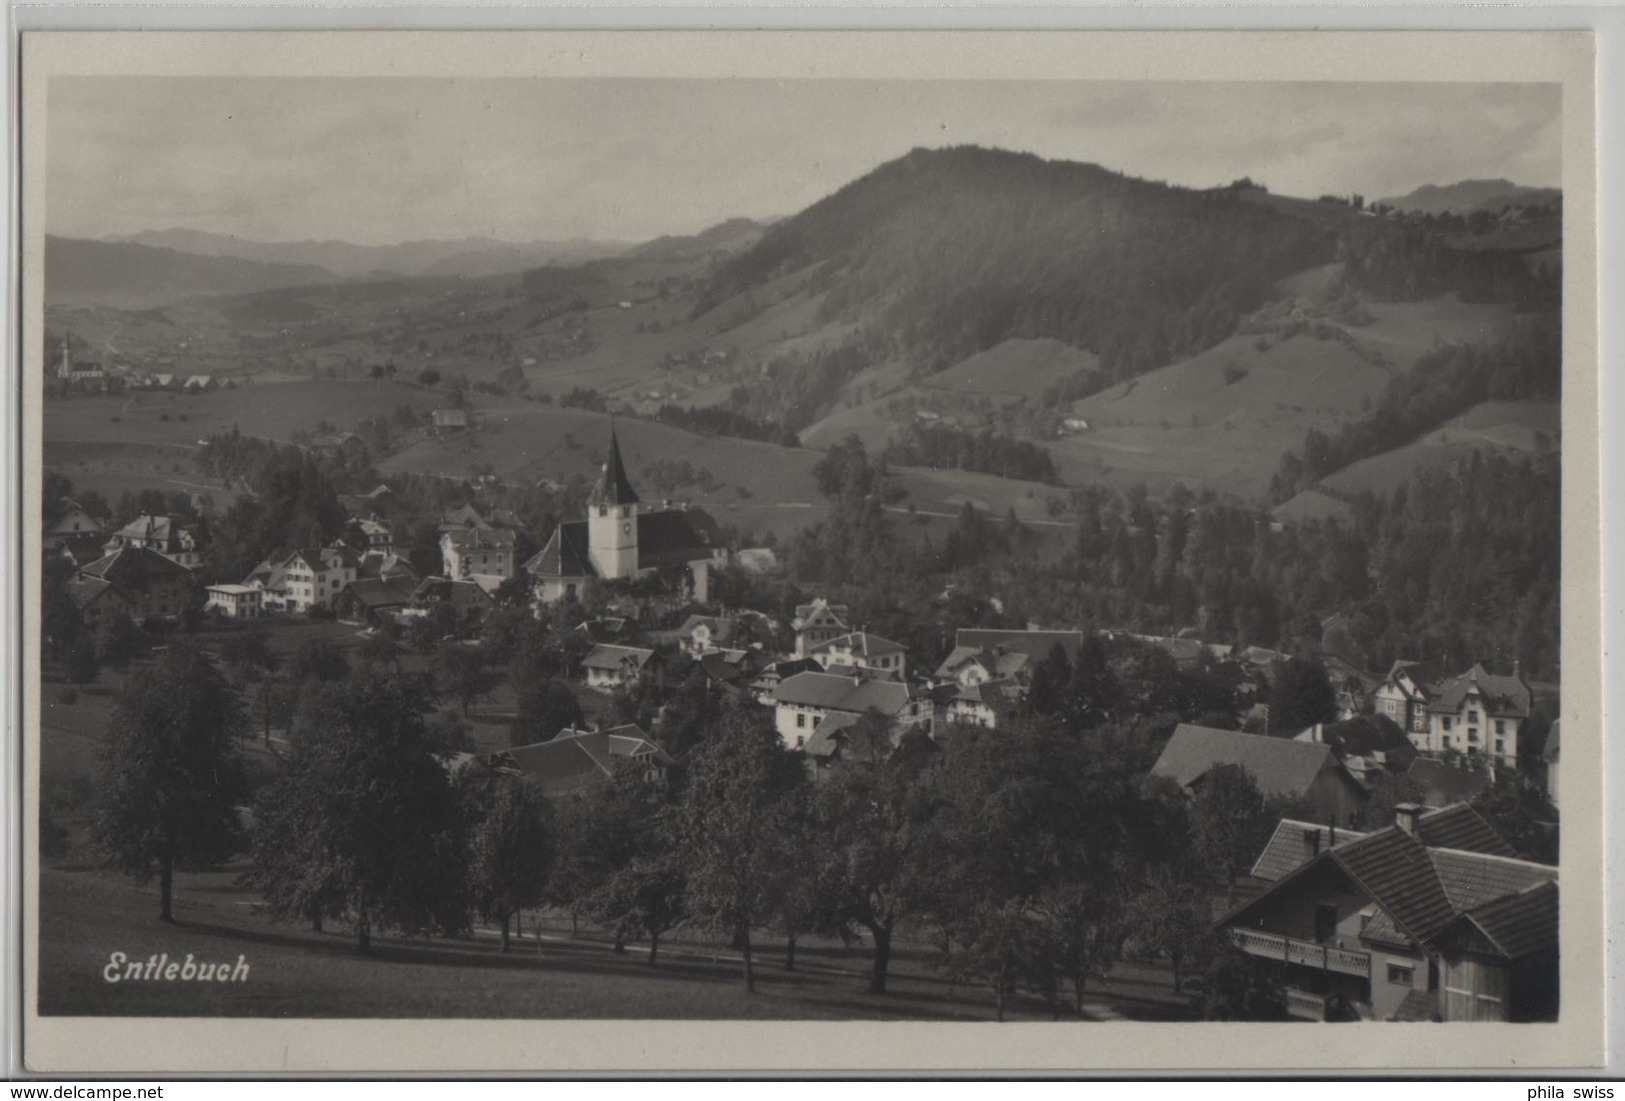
x: 614, y: 488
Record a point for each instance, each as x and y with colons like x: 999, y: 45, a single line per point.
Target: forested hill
x: 954, y: 250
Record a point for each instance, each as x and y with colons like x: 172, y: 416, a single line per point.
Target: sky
x: 382, y: 160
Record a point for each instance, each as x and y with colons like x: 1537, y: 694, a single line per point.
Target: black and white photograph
x: 545, y: 546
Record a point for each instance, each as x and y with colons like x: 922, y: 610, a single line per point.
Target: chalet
x: 384, y: 566
x: 818, y: 623
x: 968, y: 666
x: 137, y: 581
x: 1478, y: 714
x: 622, y: 539
x: 610, y: 667
x: 235, y: 601
x: 861, y: 650
x: 802, y: 701
x: 988, y: 703
x: 576, y: 760
x: 446, y: 420
x: 73, y: 524
x: 1280, y: 767
x: 1429, y: 919
x: 770, y: 676
x: 372, y: 600
x: 477, y: 550
x: 373, y: 533
x: 164, y: 534
x: 703, y: 634
x: 1404, y: 694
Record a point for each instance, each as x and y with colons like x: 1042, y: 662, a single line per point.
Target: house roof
x: 565, y: 554
x: 1457, y: 827
x: 1425, y: 675
x: 863, y: 643
x: 827, y: 736
x: 85, y: 590
x: 461, y: 517
x: 997, y: 662
x: 1461, y: 827
x: 609, y: 656
x: 1035, y: 644
x: 1294, y: 844
x: 134, y: 566
x: 1000, y: 695
x: 721, y: 627
x: 834, y: 693
x: 1447, y: 783
x: 572, y: 759
x: 671, y: 537
x: 821, y: 613
x: 478, y: 539
x: 147, y: 527
x: 1394, y: 870
x: 1504, y: 697
x: 1516, y: 924
x: 380, y: 593
x: 1279, y: 766
x: 1472, y: 879
x: 614, y: 487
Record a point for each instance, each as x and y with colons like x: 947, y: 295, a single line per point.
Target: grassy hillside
x: 1517, y: 428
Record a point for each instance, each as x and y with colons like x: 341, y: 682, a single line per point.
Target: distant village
x: 1434, y: 917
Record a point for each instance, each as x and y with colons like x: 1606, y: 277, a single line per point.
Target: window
x: 1500, y: 726
x: 1472, y: 734
x: 801, y: 721
x: 1447, y: 722
x: 1402, y: 974
x: 1325, y: 922
x: 1472, y: 716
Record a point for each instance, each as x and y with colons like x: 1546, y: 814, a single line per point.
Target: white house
x: 163, y: 534
x: 610, y: 667
x: 818, y: 623
x: 236, y: 601
x: 469, y: 551
x: 1478, y: 713
x: 803, y: 700
x: 861, y: 650
x: 306, y: 579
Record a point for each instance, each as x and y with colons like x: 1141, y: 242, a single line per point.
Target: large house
x: 803, y: 701
x: 308, y: 578
x: 623, y: 539
x: 1279, y: 766
x: 1404, y: 694
x: 136, y: 581
x: 984, y: 654
x: 1433, y: 918
x: 477, y: 552
x: 372, y: 600
x: 862, y: 650
x: 1478, y: 714
x: 818, y: 623
x: 235, y: 601
x: 575, y: 760
x: 163, y: 534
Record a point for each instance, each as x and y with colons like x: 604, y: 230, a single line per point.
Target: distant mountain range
x: 125, y: 273
x: 470, y: 256
x: 1467, y: 196
x: 734, y: 235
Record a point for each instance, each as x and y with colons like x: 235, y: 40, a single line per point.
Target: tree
x: 118, y: 640
x: 82, y: 666
x: 463, y: 675
x: 362, y: 824
x: 1169, y: 915
x: 731, y: 821
x: 170, y: 776
x: 546, y: 706
x: 510, y: 846
x: 1302, y: 696
x: 380, y: 649
x: 318, y: 658
x: 252, y: 661
x: 1226, y: 819
x: 637, y: 882
x: 428, y: 377
x: 1518, y: 811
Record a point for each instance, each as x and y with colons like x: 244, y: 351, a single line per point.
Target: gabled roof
x: 864, y: 644
x: 565, y: 554
x: 573, y: 759
x: 1035, y: 644
x: 1279, y: 766
x: 375, y: 592
x: 1425, y: 675
x: 614, y: 487
x: 85, y: 590
x: 478, y: 539
x: 1504, y: 697
x: 1461, y: 827
x: 1458, y: 827
x: 134, y: 566
x: 148, y: 527
x: 996, y: 663
x: 1515, y: 924
x: 1000, y: 695
x: 721, y: 627
x: 821, y: 613
x: 833, y: 693
x: 1472, y: 879
x: 827, y: 737
x: 609, y: 656
x: 1294, y: 844
x: 1394, y: 870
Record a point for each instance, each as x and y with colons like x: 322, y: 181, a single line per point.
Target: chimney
x: 1311, y: 838
x: 1405, y: 815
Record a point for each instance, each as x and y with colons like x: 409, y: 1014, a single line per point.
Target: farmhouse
x: 620, y: 539
x: 464, y: 597
x: 163, y: 534
x: 74, y: 523
x: 610, y: 667
x: 235, y: 601
x: 986, y: 703
x: 1278, y: 766
x: 371, y: 600
x: 137, y: 581
x: 1429, y: 919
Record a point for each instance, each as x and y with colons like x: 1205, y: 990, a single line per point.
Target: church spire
x: 614, y: 488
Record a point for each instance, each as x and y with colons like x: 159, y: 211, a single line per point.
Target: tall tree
x: 1227, y: 819
x: 510, y: 846
x: 1302, y: 696
x: 170, y: 774
x: 546, y: 706
x: 731, y: 821
x: 463, y: 675
x: 362, y: 823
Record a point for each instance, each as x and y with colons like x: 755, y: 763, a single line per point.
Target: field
x: 1514, y: 428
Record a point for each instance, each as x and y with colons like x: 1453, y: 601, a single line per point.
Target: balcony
x: 1269, y: 946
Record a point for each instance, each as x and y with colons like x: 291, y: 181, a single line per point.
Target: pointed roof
x: 614, y: 488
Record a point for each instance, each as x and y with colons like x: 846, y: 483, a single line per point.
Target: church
x: 624, y: 538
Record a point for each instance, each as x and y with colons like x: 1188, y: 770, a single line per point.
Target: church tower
x: 612, y: 519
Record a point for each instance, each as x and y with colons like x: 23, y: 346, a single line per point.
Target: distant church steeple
x: 612, y: 518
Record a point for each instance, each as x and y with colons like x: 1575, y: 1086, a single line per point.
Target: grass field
x: 1014, y: 369
x: 1507, y: 428
x: 293, y: 972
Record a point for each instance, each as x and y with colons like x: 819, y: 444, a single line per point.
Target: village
x: 1368, y: 844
